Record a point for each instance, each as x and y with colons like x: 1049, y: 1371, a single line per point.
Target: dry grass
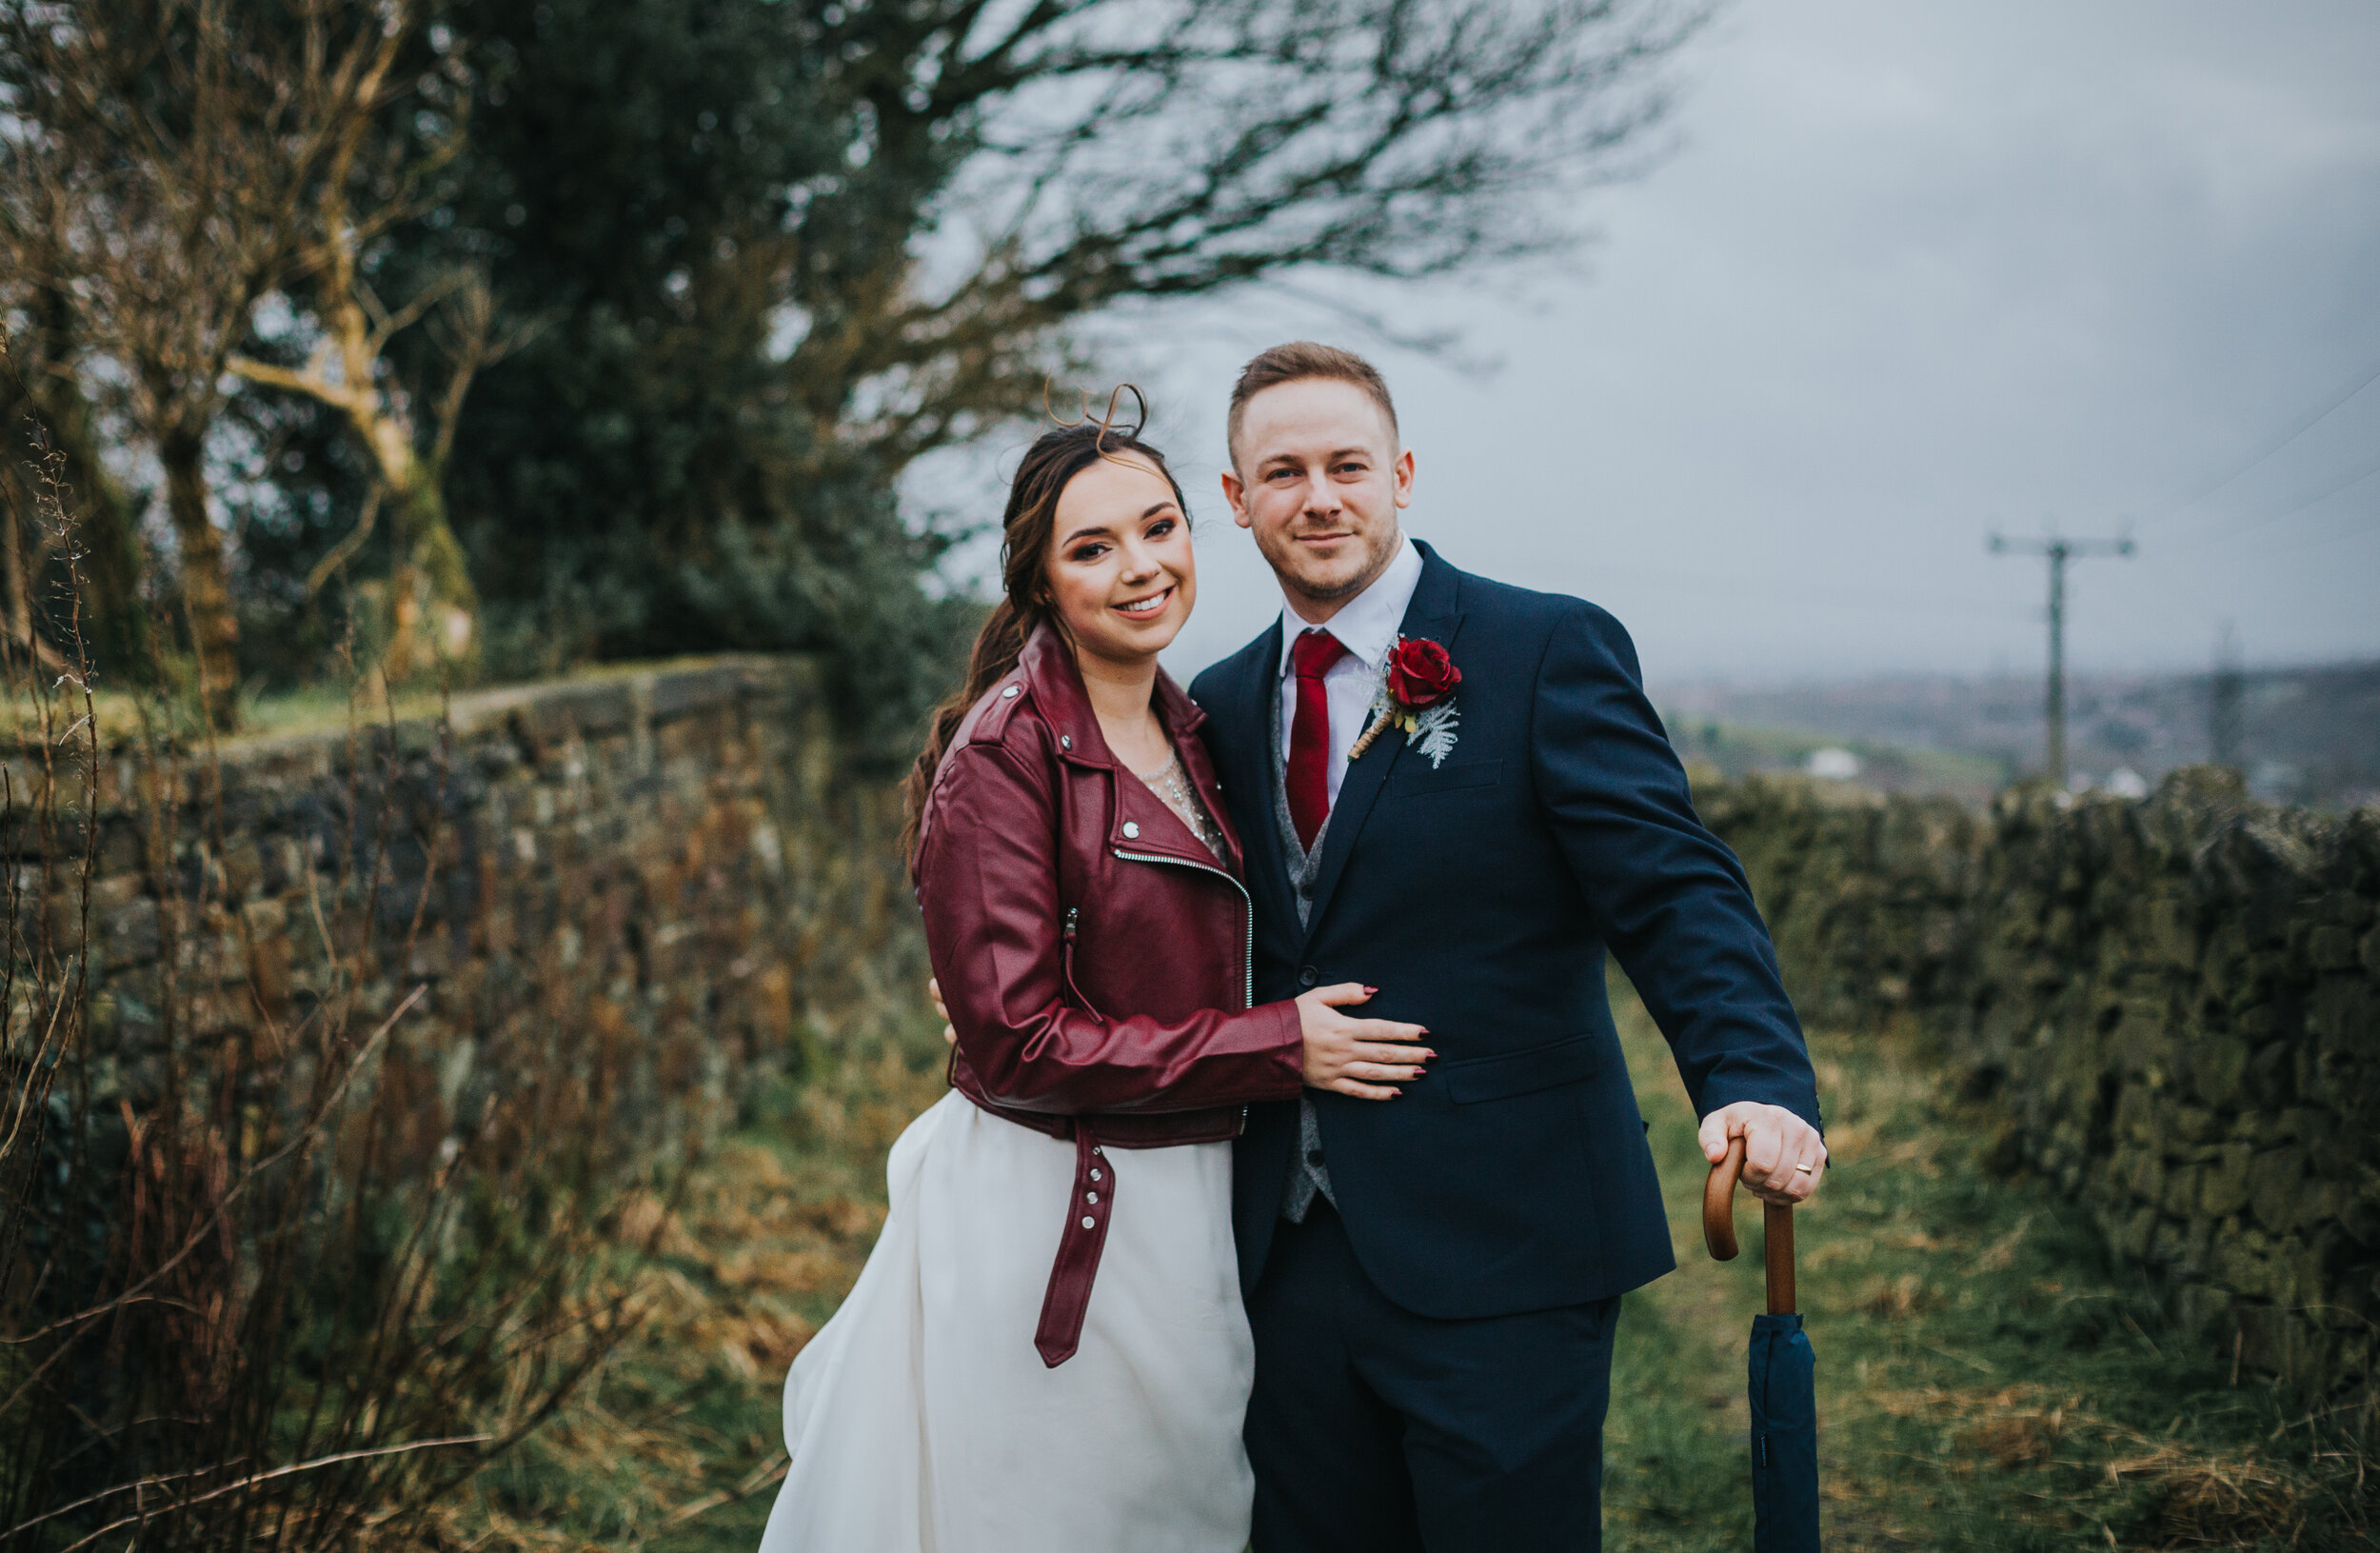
x: 675, y: 1442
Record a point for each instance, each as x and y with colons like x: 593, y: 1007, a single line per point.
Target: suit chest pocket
x: 1414, y: 778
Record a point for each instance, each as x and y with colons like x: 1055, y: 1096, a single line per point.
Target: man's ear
x: 1237, y: 494
x: 1403, y: 467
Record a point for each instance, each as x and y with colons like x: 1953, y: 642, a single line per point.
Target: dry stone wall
x: 663, y: 871
x: 2174, y: 1003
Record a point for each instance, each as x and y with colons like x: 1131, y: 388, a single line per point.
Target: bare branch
x: 341, y: 553
x: 177, y: 1506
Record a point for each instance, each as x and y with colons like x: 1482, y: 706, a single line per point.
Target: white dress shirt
x: 1366, y: 626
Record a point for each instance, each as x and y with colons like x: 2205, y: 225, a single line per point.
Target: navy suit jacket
x: 1480, y: 895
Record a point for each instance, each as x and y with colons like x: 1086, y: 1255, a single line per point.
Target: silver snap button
x: 1066, y: 741
x: 1090, y: 1197
x: 1095, y: 1175
x: 1132, y: 831
x: 1097, y: 1150
x: 1008, y: 691
x: 1089, y: 1222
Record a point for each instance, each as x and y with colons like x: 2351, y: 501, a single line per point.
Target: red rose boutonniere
x: 1417, y: 695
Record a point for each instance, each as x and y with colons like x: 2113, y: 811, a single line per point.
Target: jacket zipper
x: 1065, y: 960
x: 1247, y: 956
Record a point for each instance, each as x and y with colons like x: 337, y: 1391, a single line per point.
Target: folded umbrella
x: 1784, y: 1400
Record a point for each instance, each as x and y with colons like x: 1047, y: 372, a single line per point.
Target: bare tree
x: 42, y: 384
x: 1130, y: 150
x: 429, y: 602
x: 378, y: 176
x: 174, y: 146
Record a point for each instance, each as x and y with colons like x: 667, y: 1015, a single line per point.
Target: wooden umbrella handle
x: 1777, y: 1225
x: 1719, y: 1203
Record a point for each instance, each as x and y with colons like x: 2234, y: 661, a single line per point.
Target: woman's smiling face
x: 1121, y: 574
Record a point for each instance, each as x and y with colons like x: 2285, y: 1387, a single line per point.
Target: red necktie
x: 1311, y: 657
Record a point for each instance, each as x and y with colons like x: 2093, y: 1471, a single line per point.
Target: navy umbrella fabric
x: 1783, y: 1392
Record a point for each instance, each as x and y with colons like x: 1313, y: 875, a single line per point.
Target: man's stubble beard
x: 1377, y: 562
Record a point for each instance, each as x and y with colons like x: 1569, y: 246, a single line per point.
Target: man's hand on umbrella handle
x: 934, y: 990
x: 1783, y: 1155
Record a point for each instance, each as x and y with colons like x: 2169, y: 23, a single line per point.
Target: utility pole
x: 2060, y: 552
x: 2226, y: 690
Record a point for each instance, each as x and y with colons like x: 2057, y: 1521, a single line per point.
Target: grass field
x: 1986, y: 1381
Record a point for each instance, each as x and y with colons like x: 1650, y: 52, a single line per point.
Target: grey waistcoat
x: 1307, y: 1173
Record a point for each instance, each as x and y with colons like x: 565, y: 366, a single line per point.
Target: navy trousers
x: 1375, y: 1430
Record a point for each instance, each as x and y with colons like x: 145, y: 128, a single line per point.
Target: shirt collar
x: 1366, y: 625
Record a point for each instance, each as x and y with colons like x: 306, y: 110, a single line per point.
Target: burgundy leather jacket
x: 1095, y: 956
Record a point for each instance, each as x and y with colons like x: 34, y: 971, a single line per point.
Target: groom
x: 1433, y: 1282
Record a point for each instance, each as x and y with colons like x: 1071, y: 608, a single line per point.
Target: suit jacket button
x: 1307, y: 976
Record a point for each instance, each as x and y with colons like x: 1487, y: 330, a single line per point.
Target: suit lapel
x: 1431, y: 613
x: 1254, y: 688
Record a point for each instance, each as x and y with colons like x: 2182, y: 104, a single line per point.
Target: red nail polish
x: 1370, y: 990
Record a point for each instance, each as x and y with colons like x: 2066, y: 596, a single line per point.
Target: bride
x: 1046, y: 1350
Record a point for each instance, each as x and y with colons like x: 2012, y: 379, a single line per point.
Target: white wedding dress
x: 921, y: 1420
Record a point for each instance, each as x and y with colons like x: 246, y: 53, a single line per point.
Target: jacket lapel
x: 1137, y: 817
x: 1431, y: 613
x: 1254, y: 681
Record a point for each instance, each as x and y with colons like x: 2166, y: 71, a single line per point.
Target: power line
x: 1878, y: 602
x: 2058, y: 552
x: 2320, y: 540
x: 2354, y: 477
x: 2298, y: 428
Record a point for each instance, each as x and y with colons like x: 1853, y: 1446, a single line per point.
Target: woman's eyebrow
x: 1094, y: 530
x: 1166, y: 506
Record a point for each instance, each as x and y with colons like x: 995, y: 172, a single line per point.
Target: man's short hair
x: 1295, y: 363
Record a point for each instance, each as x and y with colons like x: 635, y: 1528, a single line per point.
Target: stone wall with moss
x: 2174, y: 1003
x: 664, y: 875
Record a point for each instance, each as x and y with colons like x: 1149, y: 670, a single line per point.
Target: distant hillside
x: 2309, y: 735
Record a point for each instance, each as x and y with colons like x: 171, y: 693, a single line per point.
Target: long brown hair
x: 1056, y: 457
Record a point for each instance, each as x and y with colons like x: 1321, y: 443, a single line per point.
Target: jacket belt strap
x: 1078, y: 1248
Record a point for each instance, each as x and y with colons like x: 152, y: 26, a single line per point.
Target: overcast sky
x: 1913, y: 273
